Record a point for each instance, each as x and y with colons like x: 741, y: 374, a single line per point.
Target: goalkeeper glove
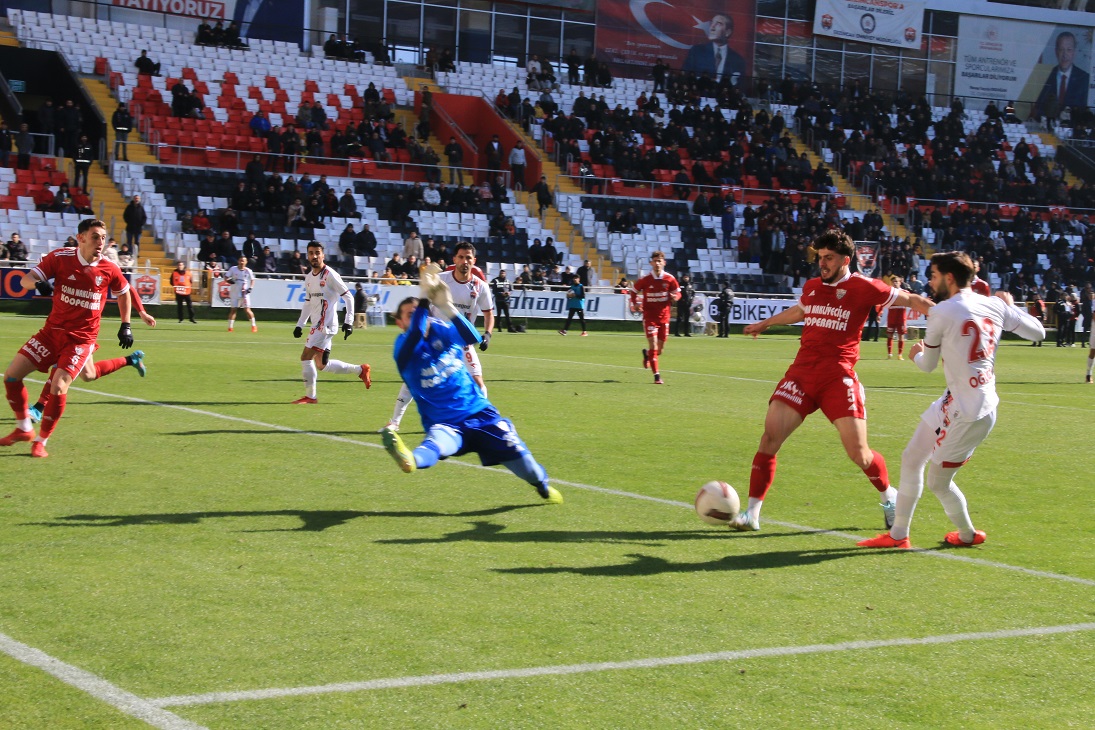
x: 297, y: 332
x: 441, y: 298
x: 347, y: 330
x: 125, y: 336
x: 486, y: 342
x: 44, y: 288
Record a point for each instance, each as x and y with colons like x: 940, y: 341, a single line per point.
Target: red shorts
x: 51, y: 347
x: 656, y: 329
x: 837, y: 395
x: 897, y: 321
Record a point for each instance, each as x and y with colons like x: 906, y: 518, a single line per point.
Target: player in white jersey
x: 470, y: 295
x: 963, y: 330
x: 242, y: 281
x: 323, y: 288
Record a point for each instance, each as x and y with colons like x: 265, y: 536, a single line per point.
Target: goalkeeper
x: 456, y: 416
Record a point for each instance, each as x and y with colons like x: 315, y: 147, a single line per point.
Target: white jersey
x: 323, y: 290
x: 242, y: 281
x: 964, y: 330
x: 470, y: 297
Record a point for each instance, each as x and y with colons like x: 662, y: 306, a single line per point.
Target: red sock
x: 106, y: 367
x: 654, y: 361
x: 877, y: 473
x: 762, y: 475
x: 17, y: 397
x: 44, y: 396
x: 889, y: 344
x: 52, y: 415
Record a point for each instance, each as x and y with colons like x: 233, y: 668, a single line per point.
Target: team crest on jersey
x: 98, y: 281
x: 840, y: 293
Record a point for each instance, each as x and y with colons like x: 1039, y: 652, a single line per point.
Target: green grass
x: 192, y: 532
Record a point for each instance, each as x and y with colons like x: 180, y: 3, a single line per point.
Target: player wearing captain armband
x: 964, y: 329
x: 456, y: 416
x: 323, y: 289
x: 241, y: 280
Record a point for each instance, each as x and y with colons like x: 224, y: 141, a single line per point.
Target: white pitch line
x: 96, y: 686
x: 649, y: 663
x: 946, y: 555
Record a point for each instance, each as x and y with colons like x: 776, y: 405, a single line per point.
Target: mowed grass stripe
x: 947, y: 555
x: 650, y: 663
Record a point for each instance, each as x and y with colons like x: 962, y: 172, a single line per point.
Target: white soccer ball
x: 717, y: 503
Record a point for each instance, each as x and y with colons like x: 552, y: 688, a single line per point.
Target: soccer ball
x: 717, y: 503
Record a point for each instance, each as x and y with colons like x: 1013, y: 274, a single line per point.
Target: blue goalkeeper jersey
x: 431, y: 363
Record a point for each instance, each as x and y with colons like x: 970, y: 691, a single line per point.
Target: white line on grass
x: 96, y: 686
x: 649, y: 663
x: 946, y: 555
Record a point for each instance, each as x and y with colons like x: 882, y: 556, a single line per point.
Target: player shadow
x: 130, y: 404
x: 549, y: 380
x: 311, y: 520
x: 485, y: 531
x: 649, y: 565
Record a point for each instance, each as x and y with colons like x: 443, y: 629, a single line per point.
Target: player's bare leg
x: 779, y: 423
x: 92, y: 371
x: 853, y: 435
x: 16, y: 393
x: 313, y: 360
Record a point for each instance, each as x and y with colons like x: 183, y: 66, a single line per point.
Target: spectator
x: 259, y: 124
x: 412, y: 246
x: 122, y: 122
x: 544, y: 196
x: 110, y: 252
x: 15, y: 249
x: 135, y: 219
x: 347, y: 241
x: 125, y: 256
x: 365, y: 245
x: 146, y: 65
x: 24, y: 143
x: 517, y: 165
x: 44, y: 198
x: 82, y: 162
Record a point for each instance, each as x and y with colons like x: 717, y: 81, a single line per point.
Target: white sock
x: 341, y: 368
x: 1090, y: 365
x: 402, y: 402
x: 890, y: 495
x: 941, y: 482
x: 754, y: 507
x: 911, y: 487
x: 252, y: 321
x: 24, y: 424
x: 231, y: 322
x: 43, y: 441
x: 308, y: 370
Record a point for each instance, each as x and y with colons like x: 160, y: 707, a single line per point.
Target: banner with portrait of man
x: 1046, y: 64
x: 713, y: 37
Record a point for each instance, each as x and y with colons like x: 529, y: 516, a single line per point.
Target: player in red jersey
x: 832, y: 308
x: 82, y: 280
x: 659, y: 291
x: 979, y: 285
x: 897, y: 323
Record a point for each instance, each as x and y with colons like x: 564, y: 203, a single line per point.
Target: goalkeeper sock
x: 528, y: 469
x: 308, y: 370
x: 338, y: 367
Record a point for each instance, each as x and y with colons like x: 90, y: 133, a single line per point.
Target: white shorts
x: 956, y: 437
x: 471, y: 359
x: 318, y: 339
x: 241, y: 301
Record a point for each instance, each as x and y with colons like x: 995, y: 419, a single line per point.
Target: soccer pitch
x: 198, y: 553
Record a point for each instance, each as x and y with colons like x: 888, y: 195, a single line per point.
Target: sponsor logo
x: 37, y: 350
x: 196, y: 8
x: 827, y: 21
x: 789, y: 391
x: 535, y: 304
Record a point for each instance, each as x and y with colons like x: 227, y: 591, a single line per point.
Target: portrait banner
x: 1014, y: 60
x: 696, y: 36
x: 887, y: 22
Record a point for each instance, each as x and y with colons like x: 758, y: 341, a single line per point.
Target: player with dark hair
x: 659, y: 290
x: 963, y: 331
x: 457, y: 417
x: 833, y: 308
x: 323, y: 289
x: 83, y: 280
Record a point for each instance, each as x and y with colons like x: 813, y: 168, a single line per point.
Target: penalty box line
x: 649, y: 663
x: 945, y: 555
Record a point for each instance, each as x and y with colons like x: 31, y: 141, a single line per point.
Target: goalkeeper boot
x: 35, y: 413
x: 136, y: 359
x: 550, y: 494
x: 889, y: 511
x: 399, y: 451
x: 883, y: 540
x: 954, y: 538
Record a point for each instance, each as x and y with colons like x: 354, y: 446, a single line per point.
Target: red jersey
x: 657, y: 296
x: 980, y: 286
x: 79, y: 290
x: 835, y: 314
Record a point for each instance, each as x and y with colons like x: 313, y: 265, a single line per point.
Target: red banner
x: 699, y: 36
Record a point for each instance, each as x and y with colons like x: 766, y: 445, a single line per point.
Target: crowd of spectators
x: 339, y: 46
x: 218, y: 35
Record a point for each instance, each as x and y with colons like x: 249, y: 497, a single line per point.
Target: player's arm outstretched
x: 914, y: 301
x: 1020, y: 322
x: 791, y: 315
